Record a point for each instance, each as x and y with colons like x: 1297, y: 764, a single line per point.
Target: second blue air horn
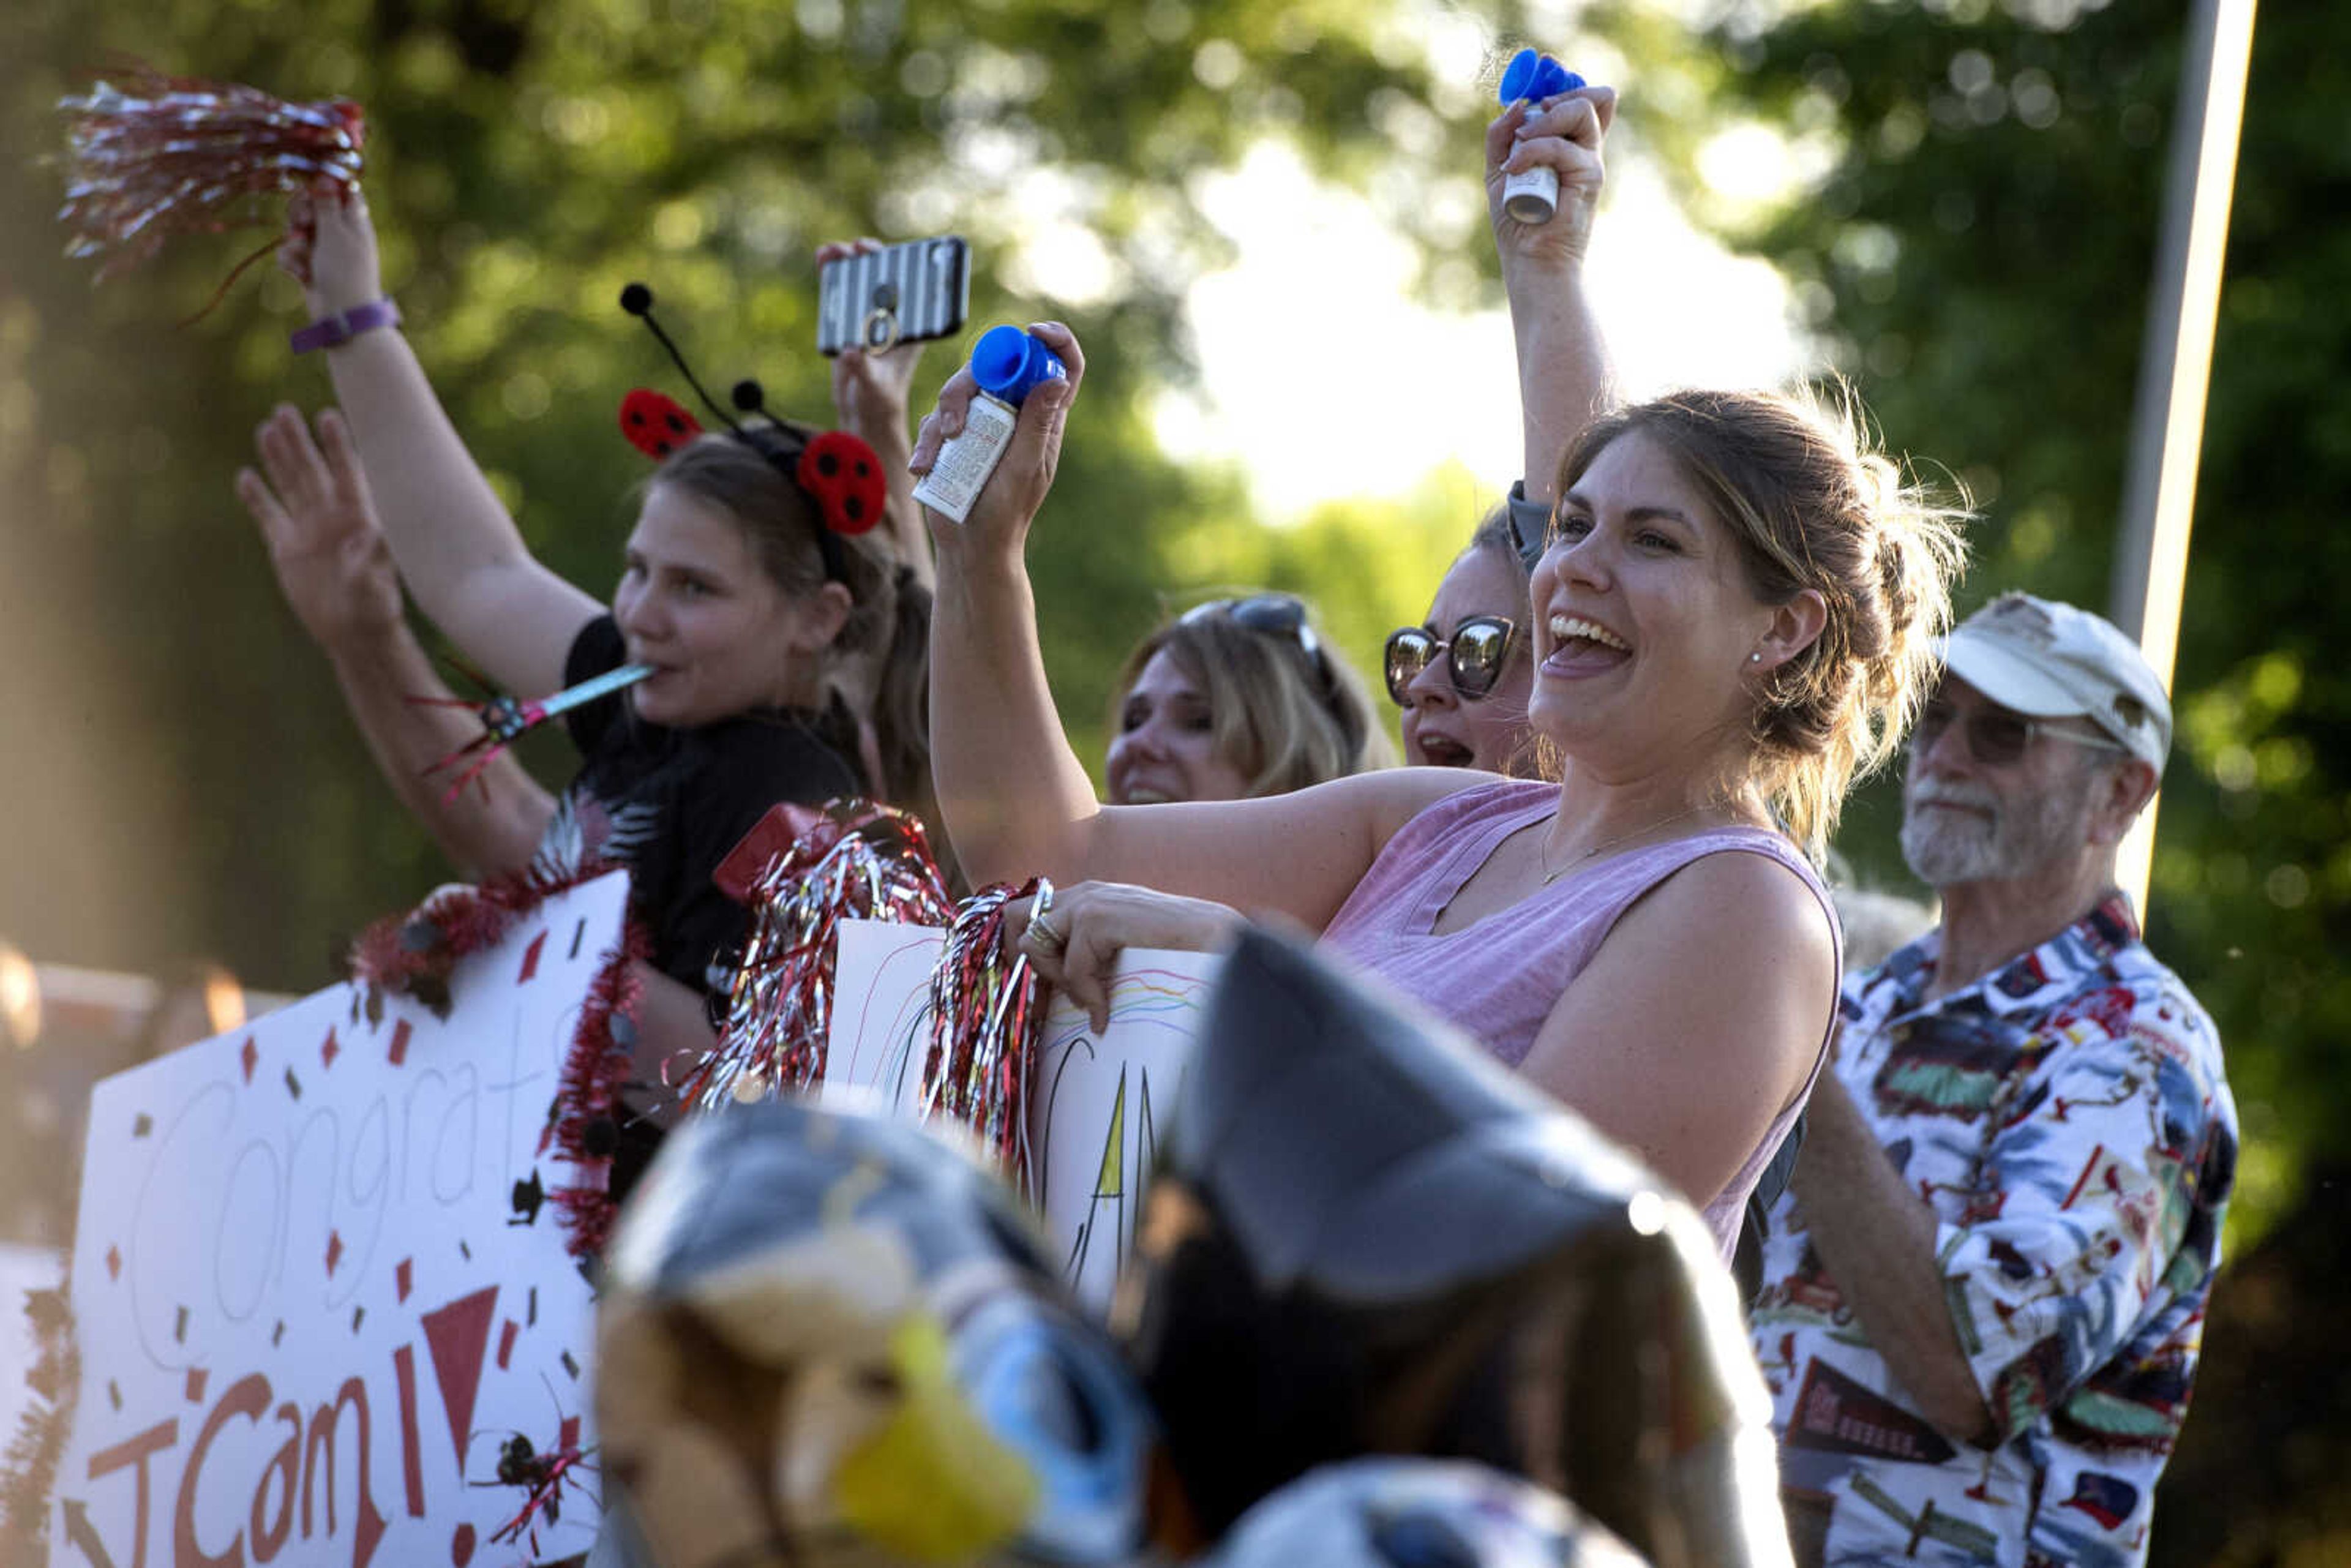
x: 1531, y: 195
x: 1008, y: 365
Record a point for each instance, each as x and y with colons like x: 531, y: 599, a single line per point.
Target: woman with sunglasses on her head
x: 1735, y: 615
x: 1234, y: 699
x: 739, y: 587
x: 1464, y: 676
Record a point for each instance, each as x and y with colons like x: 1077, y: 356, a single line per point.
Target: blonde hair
x: 1813, y: 507
x: 1283, y: 718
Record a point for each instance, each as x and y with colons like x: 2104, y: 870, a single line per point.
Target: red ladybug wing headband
x: 838, y: 471
x: 657, y: 424
x: 845, y: 477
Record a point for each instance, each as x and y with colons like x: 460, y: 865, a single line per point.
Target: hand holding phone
x: 901, y: 294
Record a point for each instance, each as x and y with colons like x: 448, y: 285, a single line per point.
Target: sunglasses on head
x: 1997, y: 736
x: 1275, y: 614
x: 1473, y: 655
x: 1283, y: 616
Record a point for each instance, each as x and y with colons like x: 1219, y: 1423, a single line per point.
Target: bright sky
x: 1315, y: 357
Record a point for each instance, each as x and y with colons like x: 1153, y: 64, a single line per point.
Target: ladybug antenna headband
x: 836, y: 470
x: 638, y: 301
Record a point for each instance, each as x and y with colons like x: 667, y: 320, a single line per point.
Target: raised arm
x: 1565, y: 379
x: 1016, y: 800
x: 337, y: 575
x: 872, y: 394
x: 460, y: 553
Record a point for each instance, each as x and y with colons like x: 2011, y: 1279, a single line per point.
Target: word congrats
x: 323, y: 1304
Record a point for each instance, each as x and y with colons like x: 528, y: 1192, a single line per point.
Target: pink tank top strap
x: 1499, y: 977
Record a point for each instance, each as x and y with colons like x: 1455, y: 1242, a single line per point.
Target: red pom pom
x: 657, y: 424
x: 845, y: 477
x: 150, y: 155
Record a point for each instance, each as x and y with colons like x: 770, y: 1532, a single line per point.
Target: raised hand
x: 872, y: 392
x: 1564, y: 134
x: 319, y: 523
x: 1008, y: 503
x: 331, y: 250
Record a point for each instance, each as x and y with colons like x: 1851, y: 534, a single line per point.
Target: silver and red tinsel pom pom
x: 150, y: 155
x: 803, y: 872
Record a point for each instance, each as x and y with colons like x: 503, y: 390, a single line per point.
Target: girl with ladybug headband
x: 755, y: 588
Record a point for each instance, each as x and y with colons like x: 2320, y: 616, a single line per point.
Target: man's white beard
x: 1946, y: 848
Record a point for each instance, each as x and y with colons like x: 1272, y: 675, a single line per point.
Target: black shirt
x: 670, y: 803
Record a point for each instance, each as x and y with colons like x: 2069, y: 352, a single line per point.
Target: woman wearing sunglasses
x: 1234, y: 699
x: 1463, y: 677
x: 1734, y: 616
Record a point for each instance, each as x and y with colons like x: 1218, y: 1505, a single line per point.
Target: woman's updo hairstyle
x: 1812, y: 506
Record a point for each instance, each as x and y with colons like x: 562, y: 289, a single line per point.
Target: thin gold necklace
x: 1542, y: 849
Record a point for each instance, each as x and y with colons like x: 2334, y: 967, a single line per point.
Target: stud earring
x: 1754, y: 658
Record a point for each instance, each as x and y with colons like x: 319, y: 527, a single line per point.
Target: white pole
x: 2167, y: 425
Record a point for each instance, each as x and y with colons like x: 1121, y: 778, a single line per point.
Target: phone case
x: 910, y: 292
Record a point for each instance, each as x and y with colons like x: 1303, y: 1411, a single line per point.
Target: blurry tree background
x: 181, y: 777
x: 1969, y: 235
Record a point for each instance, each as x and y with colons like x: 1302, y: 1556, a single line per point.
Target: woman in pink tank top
x: 1735, y: 616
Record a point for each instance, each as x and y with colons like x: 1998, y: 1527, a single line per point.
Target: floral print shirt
x: 2067, y: 1119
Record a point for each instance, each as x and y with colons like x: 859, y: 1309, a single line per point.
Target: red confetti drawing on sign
x: 403, y: 1369
x: 398, y: 1054
x: 458, y: 1336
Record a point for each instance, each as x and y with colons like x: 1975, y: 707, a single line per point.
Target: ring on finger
x: 1042, y: 932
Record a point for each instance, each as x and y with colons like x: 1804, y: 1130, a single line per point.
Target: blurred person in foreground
x: 1984, y: 1295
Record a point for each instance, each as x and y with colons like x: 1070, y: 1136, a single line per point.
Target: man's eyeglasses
x: 1997, y: 736
x: 1475, y: 656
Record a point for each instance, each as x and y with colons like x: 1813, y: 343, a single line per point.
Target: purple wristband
x: 333, y: 331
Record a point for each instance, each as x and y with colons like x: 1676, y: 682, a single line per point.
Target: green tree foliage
x: 1976, y: 258
x: 181, y: 779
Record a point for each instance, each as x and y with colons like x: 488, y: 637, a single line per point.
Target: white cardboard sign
x: 317, y: 1288
x: 1098, y: 1105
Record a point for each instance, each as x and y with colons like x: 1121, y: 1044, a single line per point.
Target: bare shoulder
x: 1699, y: 1018
x: 1735, y: 916
x: 1740, y: 893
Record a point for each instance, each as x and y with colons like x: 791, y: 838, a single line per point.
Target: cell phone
x: 906, y: 294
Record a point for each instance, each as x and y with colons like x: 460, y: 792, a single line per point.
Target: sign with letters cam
x: 318, y: 1291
